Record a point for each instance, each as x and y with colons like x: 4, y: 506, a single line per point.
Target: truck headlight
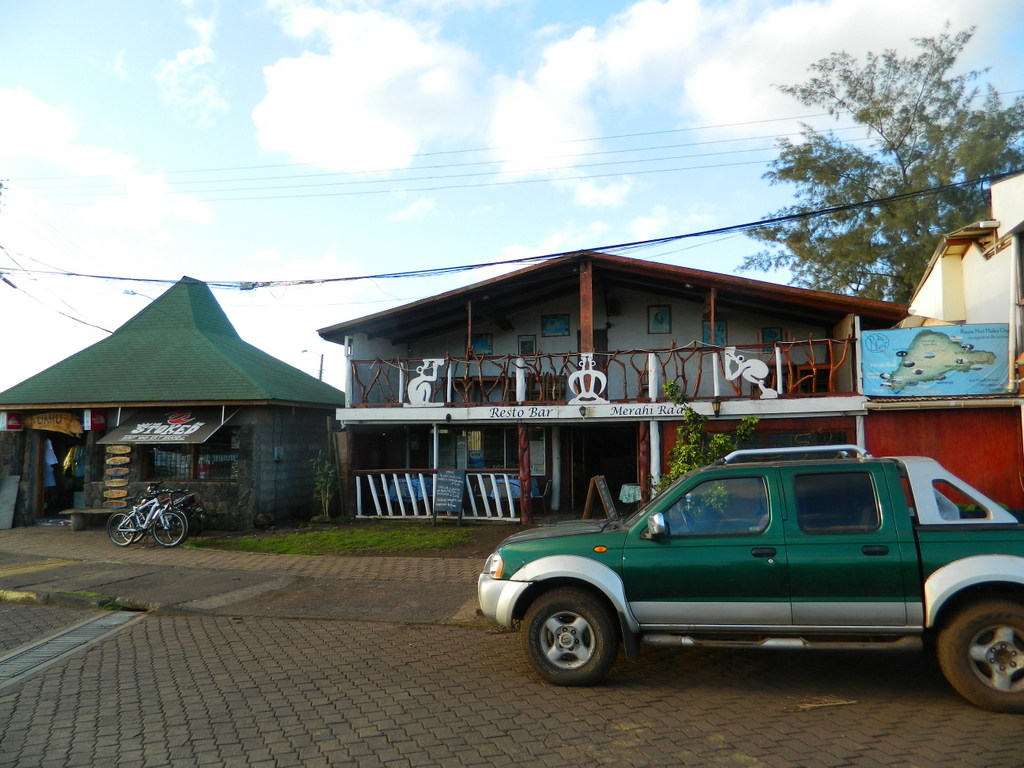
x: 494, y: 566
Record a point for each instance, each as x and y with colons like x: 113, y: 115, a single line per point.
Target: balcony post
x: 778, y: 370
x: 520, y: 380
x: 653, y: 377
x: 347, y: 372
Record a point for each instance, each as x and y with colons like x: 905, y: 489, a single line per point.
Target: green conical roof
x: 180, y: 349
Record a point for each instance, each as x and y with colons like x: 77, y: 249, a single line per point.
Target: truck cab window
x: 728, y: 506
x: 836, y: 502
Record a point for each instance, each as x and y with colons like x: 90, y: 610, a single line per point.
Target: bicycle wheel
x: 170, y: 529
x: 121, y: 529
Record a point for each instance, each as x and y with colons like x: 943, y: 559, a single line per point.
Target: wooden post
x: 644, y: 458
x: 525, y: 513
x: 586, y: 306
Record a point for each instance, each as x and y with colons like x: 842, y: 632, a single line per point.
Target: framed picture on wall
x: 769, y: 336
x: 659, y: 318
x: 554, y: 325
x: 720, y: 333
x: 482, y: 344
x: 528, y: 345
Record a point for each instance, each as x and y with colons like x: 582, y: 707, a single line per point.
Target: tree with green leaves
x: 695, y: 445
x: 924, y: 128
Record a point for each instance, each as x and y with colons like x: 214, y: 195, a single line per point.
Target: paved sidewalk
x: 55, y: 565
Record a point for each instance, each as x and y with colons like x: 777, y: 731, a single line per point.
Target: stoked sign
x: 182, y: 425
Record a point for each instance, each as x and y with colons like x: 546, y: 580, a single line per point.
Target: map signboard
x: 936, y: 361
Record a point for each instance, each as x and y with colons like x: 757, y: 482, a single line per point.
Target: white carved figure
x: 421, y: 388
x: 754, y: 371
x: 587, y: 383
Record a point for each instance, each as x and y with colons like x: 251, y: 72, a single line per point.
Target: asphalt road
x: 269, y: 692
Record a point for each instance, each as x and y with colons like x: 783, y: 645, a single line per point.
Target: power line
x: 500, y: 148
x: 116, y: 187
x: 619, y: 247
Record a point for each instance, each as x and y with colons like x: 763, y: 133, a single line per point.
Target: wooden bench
x: 80, y: 517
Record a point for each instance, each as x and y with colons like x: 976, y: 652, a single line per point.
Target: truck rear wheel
x: 570, y: 637
x: 981, y: 653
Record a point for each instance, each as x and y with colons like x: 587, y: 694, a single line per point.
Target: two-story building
x: 947, y: 382
x: 553, y: 374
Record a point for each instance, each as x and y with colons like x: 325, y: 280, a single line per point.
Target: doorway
x: 599, y: 449
x: 60, y: 472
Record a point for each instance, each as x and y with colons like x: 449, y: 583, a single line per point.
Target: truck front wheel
x: 981, y: 653
x: 570, y: 637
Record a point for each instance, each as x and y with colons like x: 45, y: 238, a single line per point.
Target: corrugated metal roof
x: 180, y: 349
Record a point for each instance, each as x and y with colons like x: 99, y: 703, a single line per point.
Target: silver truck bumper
x: 497, y: 598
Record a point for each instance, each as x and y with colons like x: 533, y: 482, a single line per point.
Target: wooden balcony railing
x: 788, y: 369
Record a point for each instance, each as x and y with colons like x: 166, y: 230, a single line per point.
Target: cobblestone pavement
x: 174, y: 690
x: 23, y: 624
x: 93, y: 545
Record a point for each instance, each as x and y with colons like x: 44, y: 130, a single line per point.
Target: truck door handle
x: 763, y: 551
x: 875, y: 549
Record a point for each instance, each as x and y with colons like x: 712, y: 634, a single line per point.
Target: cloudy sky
x: 293, y: 140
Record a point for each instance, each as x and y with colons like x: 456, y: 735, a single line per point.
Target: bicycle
x: 189, y: 505
x: 152, y: 515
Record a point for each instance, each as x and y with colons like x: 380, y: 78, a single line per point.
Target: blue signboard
x: 938, y: 361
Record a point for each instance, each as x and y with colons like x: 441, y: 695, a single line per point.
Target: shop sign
x: 94, y: 420
x: 55, y: 422
x: 10, y: 421
x: 936, y: 361
x: 182, y: 425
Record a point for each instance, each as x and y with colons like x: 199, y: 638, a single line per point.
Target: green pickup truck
x: 777, y: 548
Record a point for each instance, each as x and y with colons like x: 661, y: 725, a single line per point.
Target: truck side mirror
x: 656, y: 527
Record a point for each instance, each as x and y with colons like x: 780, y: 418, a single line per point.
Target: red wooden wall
x: 980, y: 445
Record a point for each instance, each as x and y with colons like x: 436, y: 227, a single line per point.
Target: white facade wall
x: 1008, y: 203
x: 987, y: 285
x: 627, y: 330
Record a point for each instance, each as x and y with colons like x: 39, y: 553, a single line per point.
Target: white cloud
x: 382, y: 88
x: 117, y: 199
x: 593, y: 194
x: 117, y: 66
x: 746, y: 53
x: 146, y: 202
x: 188, y: 86
x: 707, y: 63
x: 33, y: 129
x: 569, y: 238
x: 420, y: 207
x: 658, y: 223
x: 536, y: 115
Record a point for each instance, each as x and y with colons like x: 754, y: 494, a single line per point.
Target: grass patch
x: 372, y: 539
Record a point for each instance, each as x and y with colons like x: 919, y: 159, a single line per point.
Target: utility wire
x: 501, y: 148
x: 619, y: 247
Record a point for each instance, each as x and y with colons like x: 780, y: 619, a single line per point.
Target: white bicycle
x: 152, y: 515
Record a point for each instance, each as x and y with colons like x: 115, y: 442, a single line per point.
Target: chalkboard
x: 448, y: 485
x: 599, y: 484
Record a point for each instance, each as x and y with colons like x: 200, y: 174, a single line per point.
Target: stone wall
x: 274, y: 472
x: 286, y: 443
x: 274, y: 475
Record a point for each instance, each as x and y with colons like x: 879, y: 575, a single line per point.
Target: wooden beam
x: 586, y: 306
